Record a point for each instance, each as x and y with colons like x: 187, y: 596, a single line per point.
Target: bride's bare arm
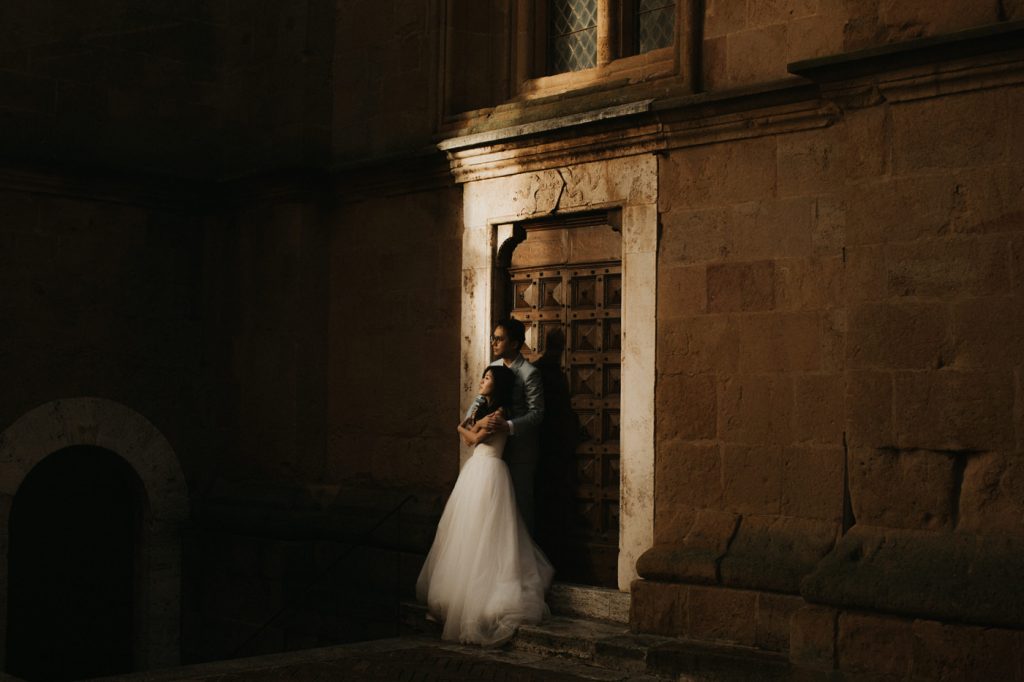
x: 474, y: 434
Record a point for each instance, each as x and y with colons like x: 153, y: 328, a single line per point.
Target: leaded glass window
x: 655, y: 24
x: 572, y: 34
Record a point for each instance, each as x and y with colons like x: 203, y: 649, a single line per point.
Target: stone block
x: 712, y: 531
x: 27, y: 92
x: 869, y: 409
x: 775, y: 552
x: 819, y: 35
x: 808, y: 284
x: 780, y: 228
x: 694, y: 236
x: 948, y: 410
x: 974, y: 128
x: 812, y: 639
x: 818, y: 408
x: 772, y: 12
x: 755, y: 408
x: 988, y: 333
x: 719, y: 614
x: 780, y: 342
x: 752, y: 478
x: 718, y: 174
x: 865, y: 277
x: 658, y: 608
x: 962, y: 653
x: 959, y: 577
x: 704, y: 343
x: 1017, y: 260
x: 833, y: 340
x: 736, y: 287
x: 898, y: 209
x: 749, y: 231
x: 716, y: 70
x: 757, y: 55
x: 774, y: 615
x: 812, y: 482
x: 903, y: 488
x: 946, y: 268
x: 695, y: 558
x: 874, y: 644
x: 816, y: 162
x: 671, y: 523
x: 722, y: 17
x: 688, y: 475
x: 828, y: 234
x: 989, y: 200
x: 1018, y: 409
x: 992, y: 494
x: 682, y: 291
x: 899, y: 335
x: 632, y: 180
x: 687, y: 407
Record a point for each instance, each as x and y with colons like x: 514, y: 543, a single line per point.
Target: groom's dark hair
x: 514, y: 329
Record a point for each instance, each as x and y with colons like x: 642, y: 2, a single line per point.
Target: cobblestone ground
x: 405, y: 659
x: 420, y: 665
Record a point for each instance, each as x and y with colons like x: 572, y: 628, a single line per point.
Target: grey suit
x: 523, y: 448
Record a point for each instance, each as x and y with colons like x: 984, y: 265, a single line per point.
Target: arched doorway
x: 75, y: 529
x: 109, y: 427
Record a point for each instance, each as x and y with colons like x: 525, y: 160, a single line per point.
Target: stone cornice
x: 105, y: 185
x: 990, y: 56
x: 927, y: 52
x: 980, y: 58
x: 640, y: 127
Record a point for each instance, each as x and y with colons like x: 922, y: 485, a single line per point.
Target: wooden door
x: 573, y: 315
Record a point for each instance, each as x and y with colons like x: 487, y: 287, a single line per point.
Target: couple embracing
x: 484, y: 575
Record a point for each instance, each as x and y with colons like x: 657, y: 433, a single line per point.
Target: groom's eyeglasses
x: 497, y: 339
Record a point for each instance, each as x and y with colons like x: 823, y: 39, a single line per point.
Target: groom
x: 523, y: 447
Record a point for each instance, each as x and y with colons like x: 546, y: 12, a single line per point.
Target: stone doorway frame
x: 104, y: 423
x: 491, y: 207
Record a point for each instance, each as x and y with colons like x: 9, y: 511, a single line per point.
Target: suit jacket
x: 527, y: 401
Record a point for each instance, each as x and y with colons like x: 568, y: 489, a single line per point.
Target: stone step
x: 584, y: 601
x: 612, y: 646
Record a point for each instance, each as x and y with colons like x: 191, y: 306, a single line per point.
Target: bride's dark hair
x: 501, y: 393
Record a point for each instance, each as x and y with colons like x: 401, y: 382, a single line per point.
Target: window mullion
x: 606, y: 32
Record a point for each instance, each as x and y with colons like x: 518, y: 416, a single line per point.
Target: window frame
x: 615, y: 37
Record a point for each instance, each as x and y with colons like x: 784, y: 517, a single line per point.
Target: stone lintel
x: 544, y: 126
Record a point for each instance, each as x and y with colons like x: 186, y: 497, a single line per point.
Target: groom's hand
x: 495, y: 422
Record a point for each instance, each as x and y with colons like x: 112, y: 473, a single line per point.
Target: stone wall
x: 103, y: 297
x: 184, y: 88
x: 394, y: 313
x: 746, y: 43
x: 839, y: 382
x: 386, y: 77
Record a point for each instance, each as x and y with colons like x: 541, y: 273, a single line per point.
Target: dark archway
x: 75, y: 528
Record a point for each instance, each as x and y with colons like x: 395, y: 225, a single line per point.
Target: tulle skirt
x: 484, y: 575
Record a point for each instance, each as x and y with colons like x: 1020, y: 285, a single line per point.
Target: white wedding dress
x: 484, y: 575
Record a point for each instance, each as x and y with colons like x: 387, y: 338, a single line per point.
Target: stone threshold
x: 585, y: 601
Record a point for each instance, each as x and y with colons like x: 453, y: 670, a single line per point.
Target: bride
x: 484, y: 575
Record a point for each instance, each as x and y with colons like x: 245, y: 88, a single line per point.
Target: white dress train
x: 484, y: 575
